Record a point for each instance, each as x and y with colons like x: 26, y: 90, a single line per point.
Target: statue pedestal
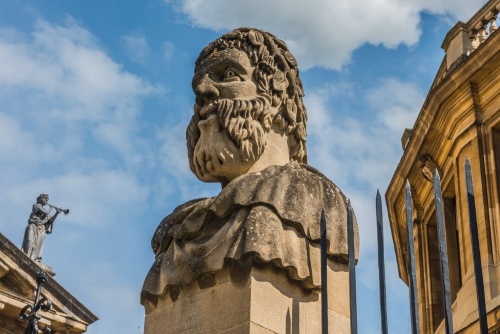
x: 48, y: 269
x: 260, y: 299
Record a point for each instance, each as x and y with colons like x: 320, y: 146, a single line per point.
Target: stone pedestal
x: 258, y: 299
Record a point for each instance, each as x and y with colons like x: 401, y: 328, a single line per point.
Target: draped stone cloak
x: 34, y: 234
x: 272, y: 216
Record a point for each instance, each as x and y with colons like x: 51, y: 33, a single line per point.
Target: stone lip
x: 272, y: 216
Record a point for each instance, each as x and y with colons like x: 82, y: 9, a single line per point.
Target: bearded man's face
x: 228, y: 130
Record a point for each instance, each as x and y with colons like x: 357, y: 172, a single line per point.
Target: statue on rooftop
x: 40, y: 223
x: 248, y: 133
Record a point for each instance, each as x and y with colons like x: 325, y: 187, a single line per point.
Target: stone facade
x: 17, y: 289
x: 460, y: 118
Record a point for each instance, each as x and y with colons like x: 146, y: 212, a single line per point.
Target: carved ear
x: 279, y: 81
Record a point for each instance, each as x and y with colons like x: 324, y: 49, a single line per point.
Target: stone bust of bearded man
x: 248, y: 132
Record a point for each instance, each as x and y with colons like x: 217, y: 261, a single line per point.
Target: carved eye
x: 231, y: 75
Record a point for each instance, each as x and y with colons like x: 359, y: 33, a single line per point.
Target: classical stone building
x: 17, y: 289
x: 460, y: 118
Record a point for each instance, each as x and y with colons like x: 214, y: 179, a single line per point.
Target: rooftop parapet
x: 464, y: 38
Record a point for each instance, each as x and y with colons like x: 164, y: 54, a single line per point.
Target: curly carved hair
x: 277, y: 77
x: 42, y: 195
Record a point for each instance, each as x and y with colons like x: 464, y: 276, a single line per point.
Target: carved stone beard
x: 231, y: 140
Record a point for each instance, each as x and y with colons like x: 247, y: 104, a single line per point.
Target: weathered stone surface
x: 263, y: 301
x: 248, y: 132
x: 40, y: 223
x: 256, y: 215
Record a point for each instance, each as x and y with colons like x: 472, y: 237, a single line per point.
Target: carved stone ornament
x: 248, y: 132
x: 428, y: 166
x: 39, y: 224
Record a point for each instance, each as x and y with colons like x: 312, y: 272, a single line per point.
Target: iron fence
x: 413, y: 290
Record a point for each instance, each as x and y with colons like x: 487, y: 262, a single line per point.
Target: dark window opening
x: 496, y: 150
x: 452, y: 246
x: 436, y: 287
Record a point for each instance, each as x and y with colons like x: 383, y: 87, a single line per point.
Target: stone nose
x: 206, y: 89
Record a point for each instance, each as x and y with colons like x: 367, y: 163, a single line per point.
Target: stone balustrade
x: 464, y: 38
x: 479, y: 31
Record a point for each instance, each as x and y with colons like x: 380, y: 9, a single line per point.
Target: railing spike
x: 381, y: 264
x: 443, y: 253
x: 352, y: 269
x: 324, y: 275
x: 412, y: 278
x: 476, y: 253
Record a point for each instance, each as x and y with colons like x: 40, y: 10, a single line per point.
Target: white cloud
x: 96, y: 199
x: 12, y: 137
x: 66, y: 64
x: 137, y: 48
x: 323, y: 32
x: 57, y: 83
x: 70, y: 124
x: 168, y: 50
x: 362, y: 149
x: 398, y: 103
x: 358, y: 151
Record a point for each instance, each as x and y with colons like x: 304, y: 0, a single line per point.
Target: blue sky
x: 95, y: 97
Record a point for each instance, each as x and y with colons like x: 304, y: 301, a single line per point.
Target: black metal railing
x: 412, y: 280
